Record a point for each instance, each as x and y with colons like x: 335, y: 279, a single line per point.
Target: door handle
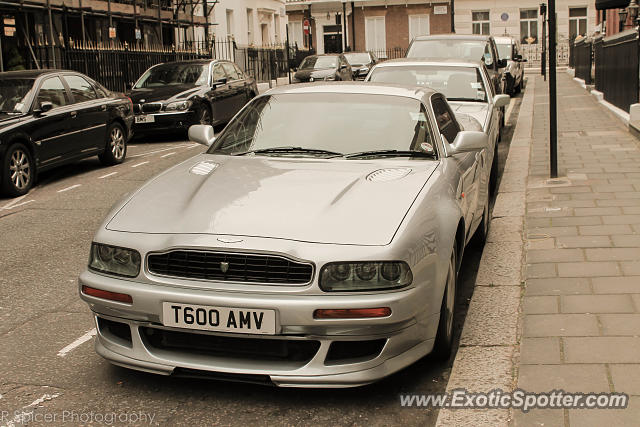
x: 73, y: 114
x: 103, y: 107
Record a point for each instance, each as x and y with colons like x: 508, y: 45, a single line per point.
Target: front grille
x: 151, y: 107
x: 231, y: 347
x: 230, y: 267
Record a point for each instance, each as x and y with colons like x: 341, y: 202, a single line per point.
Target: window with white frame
x: 418, y: 26
x: 375, y: 35
x: 480, y: 22
x: 529, y: 26
x: 295, y: 34
x: 230, y: 31
x: 577, y: 22
x: 250, y: 39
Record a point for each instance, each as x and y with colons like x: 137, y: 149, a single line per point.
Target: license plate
x: 147, y: 118
x: 221, y: 319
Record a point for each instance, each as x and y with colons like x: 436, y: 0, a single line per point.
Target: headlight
x: 328, y: 78
x: 178, y: 106
x: 365, y: 276
x: 114, y: 260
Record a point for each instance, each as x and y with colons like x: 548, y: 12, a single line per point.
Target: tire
x: 480, y: 237
x: 18, y: 171
x: 518, y: 89
x: 115, y: 149
x: 493, y: 176
x: 444, y: 338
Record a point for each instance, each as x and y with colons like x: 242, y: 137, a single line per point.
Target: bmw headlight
x: 365, y: 276
x: 178, y: 106
x: 114, y: 260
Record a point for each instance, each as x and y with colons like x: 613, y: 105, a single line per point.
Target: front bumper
x: 405, y: 336
x: 166, y: 121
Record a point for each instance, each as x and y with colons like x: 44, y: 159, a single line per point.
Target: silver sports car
x: 298, y: 252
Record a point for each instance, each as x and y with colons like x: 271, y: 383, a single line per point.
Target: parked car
x: 52, y: 117
x: 361, y: 63
x: 464, y: 47
x: 509, y: 48
x: 348, y: 276
x: 466, y: 85
x: 176, y: 95
x: 323, y: 67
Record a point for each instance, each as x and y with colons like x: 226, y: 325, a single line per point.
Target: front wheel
x: 116, y: 146
x: 444, y: 338
x: 17, y: 171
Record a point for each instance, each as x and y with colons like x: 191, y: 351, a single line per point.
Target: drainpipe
x: 53, y: 52
x: 453, y: 22
x: 353, y: 27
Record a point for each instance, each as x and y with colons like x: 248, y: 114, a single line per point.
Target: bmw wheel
x: 17, y: 171
x: 116, y: 145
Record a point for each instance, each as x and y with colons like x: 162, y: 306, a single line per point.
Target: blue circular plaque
x: 504, y: 16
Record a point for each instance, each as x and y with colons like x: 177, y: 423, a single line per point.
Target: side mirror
x: 502, y: 63
x: 221, y: 81
x: 524, y: 60
x: 44, y: 107
x: 343, y: 67
x: 517, y: 57
x: 467, y: 141
x: 500, y: 101
x: 202, y: 134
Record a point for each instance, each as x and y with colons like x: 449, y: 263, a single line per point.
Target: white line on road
x: 69, y: 188
x: 19, y: 204
x: 22, y: 415
x: 148, y: 153
x: 140, y: 164
x: 13, y: 202
x: 107, y: 175
x: 168, y: 154
x: 83, y: 339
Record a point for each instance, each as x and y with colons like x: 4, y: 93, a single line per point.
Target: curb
x: 490, y: 340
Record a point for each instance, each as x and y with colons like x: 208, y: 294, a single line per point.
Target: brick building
x: 384, y: 27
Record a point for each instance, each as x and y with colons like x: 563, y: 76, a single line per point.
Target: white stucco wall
x: 263, y: 12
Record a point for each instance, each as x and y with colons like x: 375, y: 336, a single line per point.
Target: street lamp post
x: 633, y: 11
x: 553, y: 98
x: 543, y: 62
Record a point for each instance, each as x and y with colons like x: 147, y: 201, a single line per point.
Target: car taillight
x: 112, y: 296
x: 351, y: 313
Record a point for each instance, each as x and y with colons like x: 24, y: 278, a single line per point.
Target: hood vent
x: 385, y: 175
x: 203, y: 168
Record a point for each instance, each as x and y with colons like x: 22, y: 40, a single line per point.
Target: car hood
x: 304, y: 75
x: 477, y: 110
x: 163, y: 93
x: 310, y: 200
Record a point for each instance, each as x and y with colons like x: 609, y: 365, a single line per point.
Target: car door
x: 467, y: 162
x: 236, y: 86
x: 91, y: 115
x: 52, y: 131
x: 221, y: 96
x: 344, y: 69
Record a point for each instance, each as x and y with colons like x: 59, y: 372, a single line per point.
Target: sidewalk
x: 581, y: 307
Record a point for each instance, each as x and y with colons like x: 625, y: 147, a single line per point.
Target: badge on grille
x: 224, y: 266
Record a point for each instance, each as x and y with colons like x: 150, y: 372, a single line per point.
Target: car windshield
x: 174, y: 74
x: 504, y: 51
x: 474, y: 50
x: 342, y: 124
x: 318, y: 62
x: 357, y: 58
x: 14, y: 93
x: 456, y: 83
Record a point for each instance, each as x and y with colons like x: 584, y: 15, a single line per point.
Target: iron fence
x: 617, y: 68
x: 390, y: 53
x: 583, y: 59
x: 533, y: 54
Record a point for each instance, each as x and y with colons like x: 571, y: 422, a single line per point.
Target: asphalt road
x: 49, y: 372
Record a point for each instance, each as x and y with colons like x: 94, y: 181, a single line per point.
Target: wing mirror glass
x: 44, y: 107
x: 220, y: 81
x: 467, y: 141
x: 500, y: 101
x: 202, y: 134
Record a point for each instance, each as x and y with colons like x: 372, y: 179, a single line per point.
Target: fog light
x: 112, y: 296
x: 351, y: 313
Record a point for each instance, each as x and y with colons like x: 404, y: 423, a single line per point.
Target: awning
x: 611, y: 4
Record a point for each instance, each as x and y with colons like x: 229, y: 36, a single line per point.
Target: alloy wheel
x: 20, y: 169
x: 116, y: 140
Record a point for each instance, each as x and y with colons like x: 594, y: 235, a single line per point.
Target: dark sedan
x: 323, y: 67
x: 52, y: 117
x: 176, y: 95
x: 361, y: 63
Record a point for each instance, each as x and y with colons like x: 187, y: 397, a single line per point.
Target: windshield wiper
x: 289, y: 150
x: 391, y: 153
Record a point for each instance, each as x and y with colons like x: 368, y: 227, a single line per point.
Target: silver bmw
x: 316, y: 243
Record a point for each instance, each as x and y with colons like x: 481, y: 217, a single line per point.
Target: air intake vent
x: 384, y: 175
x: 203, y: 168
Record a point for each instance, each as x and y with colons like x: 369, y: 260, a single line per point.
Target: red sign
x: 306, y: 26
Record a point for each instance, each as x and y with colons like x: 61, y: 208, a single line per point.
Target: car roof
x: 450, y: 62
x: 326, y: 54
x: 453, y: 37
x: 389, y: 89
x: 505, y: 40
x: 33, y: 74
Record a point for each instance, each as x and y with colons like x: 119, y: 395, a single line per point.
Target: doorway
x: 332, y: 38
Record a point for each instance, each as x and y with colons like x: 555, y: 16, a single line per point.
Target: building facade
x: 385, y: 27
x: 250, y: 22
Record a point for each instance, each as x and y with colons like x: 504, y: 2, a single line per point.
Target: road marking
x: 168, y: 154
x: 83, y: 339
x: 22, y: 415
x: 69, y: 188
x: 149, y: 153
x: 193, y: 145
x: 13, y: 202
x: 107, y: 175
x: 140, y: 164
x: 19, y: 204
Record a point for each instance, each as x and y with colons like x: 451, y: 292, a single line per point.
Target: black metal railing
x: 617, y: 68
x: 583, y: 56
x: 390, y: 53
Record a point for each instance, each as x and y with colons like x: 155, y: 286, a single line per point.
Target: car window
x: 218, y: 73
x: 53, y: 91
x: 230, y: 70
x: 81, y: 89
x: 239, y: 71
x: 446, y: 120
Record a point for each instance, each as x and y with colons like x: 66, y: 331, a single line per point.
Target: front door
x: 221, y: 96
x: 237, y: 87
x: 332, y: 41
